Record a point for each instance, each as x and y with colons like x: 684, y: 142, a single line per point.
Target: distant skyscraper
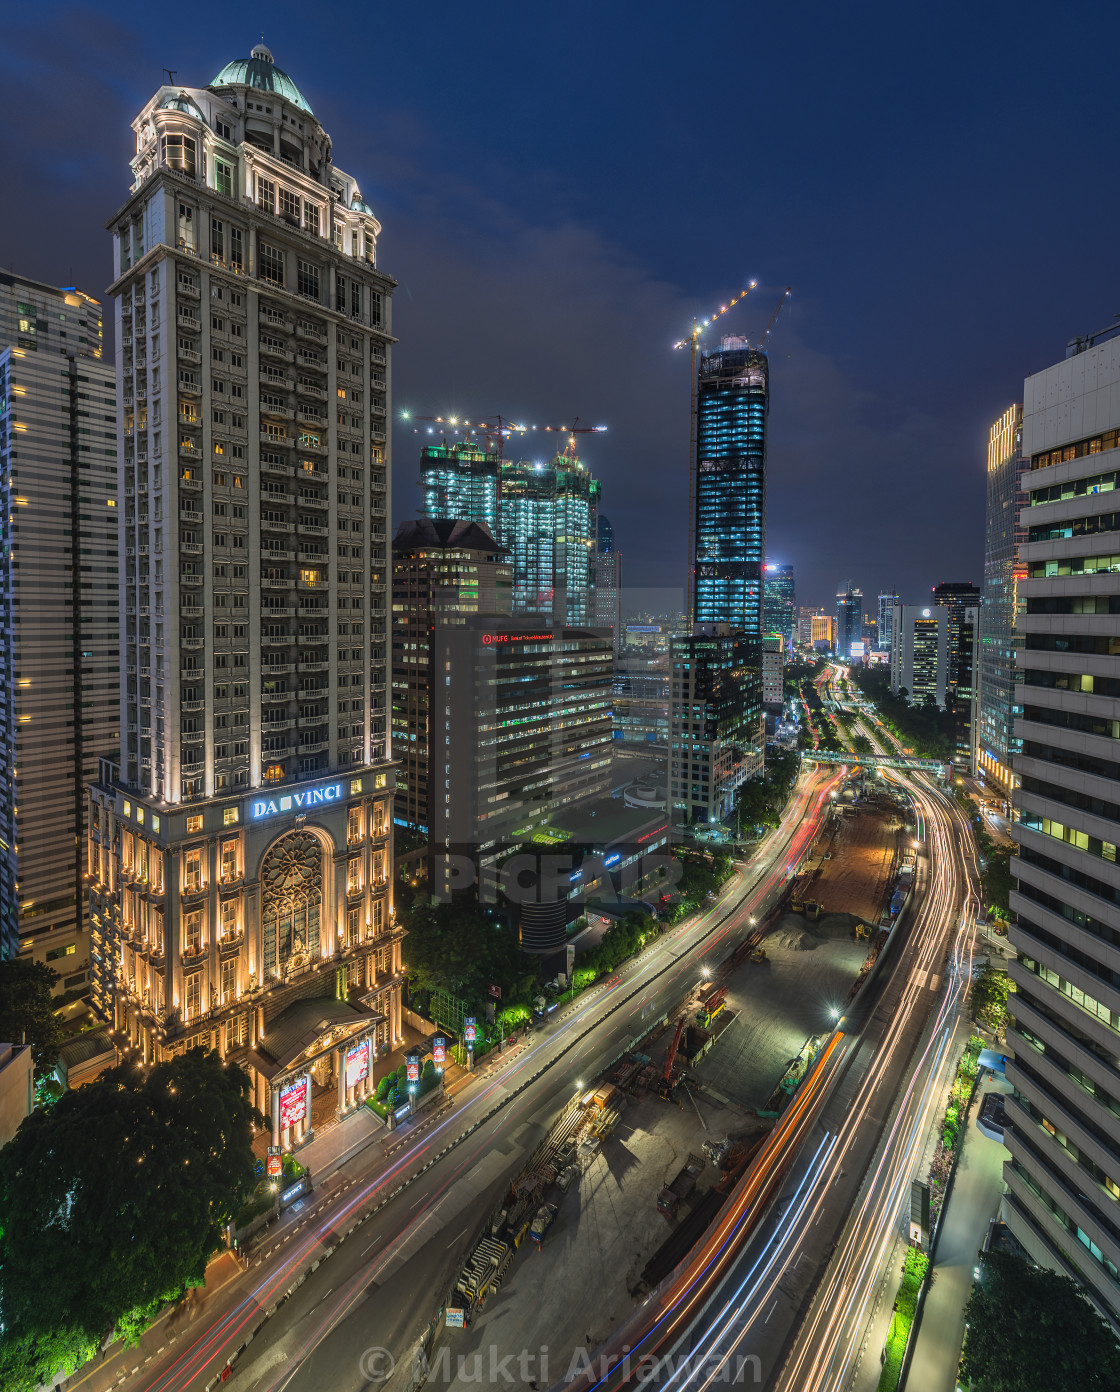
x: 920, y: 653
x: 779, y: 602
x: 241, y: 849
x: 733, y: 399
x: 1063, y: 1041
x: 849, y: 618
x: 885, y: 634
x: 461, y: 481
x: 962, y: 600
x: 1004, y: 534
x: 444, y: 573
x: 606, y: 535
x: 773, y: 670
x: 59, y: 614
x: 821, y: 632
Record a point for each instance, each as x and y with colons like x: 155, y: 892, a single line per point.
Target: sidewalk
x: 975, y: 1198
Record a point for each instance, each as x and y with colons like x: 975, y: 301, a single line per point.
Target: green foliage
x: 761, y: 800
x: 988, y: 999
x: 914, y: 1269
x: 456, y: 948
x: 928, y: 730
x: 1031, y: 1330
x: 113, y: 1201
x: 623, y: 938
x: 428, y: 1073
x: 27, y: 1009
x: 383, y: 1087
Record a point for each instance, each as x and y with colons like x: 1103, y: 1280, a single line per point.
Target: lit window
x: 229, y: 816
x: 355, y: 786
x: 193, y: 824
x: 126, y: 808
x: 155, y: 822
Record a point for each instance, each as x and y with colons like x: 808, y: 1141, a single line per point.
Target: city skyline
x: 854, y: 387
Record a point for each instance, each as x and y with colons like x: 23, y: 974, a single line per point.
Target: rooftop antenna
x: 170, y: 76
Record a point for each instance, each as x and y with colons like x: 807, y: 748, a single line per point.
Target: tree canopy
x: 1032, y: 1330
x: 925, y: 727
x: 989, y: 999
x: 27, y: 1010
x: 457, y: 948
x: 112, y: 1202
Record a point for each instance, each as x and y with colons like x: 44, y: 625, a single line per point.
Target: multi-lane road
x: 378, y: 1287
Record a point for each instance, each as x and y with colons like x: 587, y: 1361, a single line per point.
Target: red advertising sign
x: 495, y: 991
x: 412, y: 1069
x: 357, y: 1063
x: 439, y: 1049
x: 293, y: 1102
x: 469, y: 1031
x: 275, y: 1166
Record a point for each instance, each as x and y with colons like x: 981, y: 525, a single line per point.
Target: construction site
x: 639, y: 1162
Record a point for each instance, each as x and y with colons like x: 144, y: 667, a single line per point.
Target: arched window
x: 291, y: 903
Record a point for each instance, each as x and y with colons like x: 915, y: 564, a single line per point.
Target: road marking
x: 935, y: 982
x: 772, y: 1309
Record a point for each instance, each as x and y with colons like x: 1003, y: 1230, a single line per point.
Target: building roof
x: 446, y: 533
x: 180, y: 102
x: 606, y: 821
x: 297, y: 1028
x: 84, y: 1047
x: 262, y: 74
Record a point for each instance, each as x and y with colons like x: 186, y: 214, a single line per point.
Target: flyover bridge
x: 898, y: 761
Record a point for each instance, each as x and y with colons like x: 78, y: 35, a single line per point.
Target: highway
x: 379, y: 1287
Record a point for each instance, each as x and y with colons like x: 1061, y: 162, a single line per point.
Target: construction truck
x: 541, y: 1223
x: 712, y: 1008
x: 669, y: 1200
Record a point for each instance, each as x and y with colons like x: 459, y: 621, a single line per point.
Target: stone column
x: 308, y: 1129
x: 340, y: 1064
x: 276, y: 1117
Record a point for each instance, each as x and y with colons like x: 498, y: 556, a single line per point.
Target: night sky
x: 562, y: 187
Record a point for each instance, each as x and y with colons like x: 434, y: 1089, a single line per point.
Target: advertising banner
x: 293, y: 1102
x: 275, y: 1166
x: 469, y: 1031
x: 412, y: 1069
x: 357, y: 1063
x: 439, y: 1049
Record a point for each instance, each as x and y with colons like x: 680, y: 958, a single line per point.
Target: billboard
x: 858, y: 650
x: 469, y: 1031
x: 357, y: 1063
x: 439, y: 1050
x: 293, y: 1102
x: 412, y: 1068
x: 275, y: 1166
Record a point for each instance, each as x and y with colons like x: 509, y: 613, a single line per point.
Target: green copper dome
x: 262, y: 74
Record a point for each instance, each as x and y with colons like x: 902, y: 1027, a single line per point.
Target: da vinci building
x: 241, y: 841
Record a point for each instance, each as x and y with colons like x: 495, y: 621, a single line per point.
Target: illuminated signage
x: 489, y: 638
x: 439, y: 1049
x: 275, y: 1166
x: 293, y: 1102
x: 357, y: 1063
x: 412, y: 1069
x: 295, y: 802
x: 643, y: 628
x: 469, y: 1031
x: 612, y: 859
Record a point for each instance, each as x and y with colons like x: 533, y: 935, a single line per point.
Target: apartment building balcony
x: 271, y: 467
x: 192, y: 705
x: 192, y: 581
x: 270, y: 350
x: 308, y: 331
x: 192, y: 644
x: 272, y: 524
x: 277, y: 412
x: 190, y: 515
x: 186, y: 320
x: 189, y: 355
x: 277, y: 669
x: 278, y: 441
x: 311, y: 389
x: 190, y: 548
x: 317, y: 747
x: 190, y: 386
x: 312, y: 362
x: 276, y: 698
x: 188, y: 290
x: 277, y: 584
x: 272, y: 377
x: 311, y: 417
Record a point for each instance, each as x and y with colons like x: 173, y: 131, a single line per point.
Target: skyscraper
x: 59, y: 614
x: 962, y: 600
x: 733, y: 400
x: 884, y: 637
x: 849, y: 618
x: 920, y: 653
x: 461, y: 481
x: 779, y: 602
x: 444, y: 572
x: 242, y: 897
x: 1063, y: 1178
x: 995, y: 741
x: 606, y: 583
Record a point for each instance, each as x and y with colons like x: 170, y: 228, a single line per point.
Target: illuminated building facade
x: 1063, y: 1177
x: 884, y: 632
x: 821, y: 631
x: 961, y: 600
x: 995, y: 742
x: 920, y: 653
x: 243, y: 840
x: 773, y: 669
x: 849, y: 618
x: 59, y: 614
x: 549, y: 521
x: 779, y: 602
x: 460, y: 481
x: 444, y: 572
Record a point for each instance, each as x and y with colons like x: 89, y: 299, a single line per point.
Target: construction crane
x: 500, y: 428
x: 665, y: 1087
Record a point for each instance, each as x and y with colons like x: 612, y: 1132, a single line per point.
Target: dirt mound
x: 795, y: 939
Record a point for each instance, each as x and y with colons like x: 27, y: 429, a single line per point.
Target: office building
x: 805, y: 626
x: 962, y: 601
x: 716, y: 739
x: 606, y: 583
x: 641, y: 697
x: 460, y: 480
x: 849, y: 618
x: 733, y: 401
x: 1063, y: 1177
x: 773, y: 670
x: 243, y: 839
x: 920, y: 653
x: 524, y: 708
x: 884, y: 633
x: 995, y: 742
x: 821, y: 632
x: 444, y: 572
x: 779, y: 602
x: 549, y: 521
x: 59, y: 614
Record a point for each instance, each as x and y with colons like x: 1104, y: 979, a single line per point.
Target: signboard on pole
x: 293, y: 1102
x: 454, y: 1319
x: 495, y: 991
x: 357, y: 1063
x: 412, y: 1068
x: 470, y: 1032
x: 439, y: 1050
x: 275, y: 1166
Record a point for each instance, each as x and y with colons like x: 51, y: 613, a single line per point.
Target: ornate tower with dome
x: 241, y: 839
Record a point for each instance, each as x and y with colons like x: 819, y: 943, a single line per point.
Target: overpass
x: 898, y: 761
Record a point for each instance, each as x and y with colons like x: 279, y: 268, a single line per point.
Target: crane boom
x: 774, y: 317
x: 501, y: 428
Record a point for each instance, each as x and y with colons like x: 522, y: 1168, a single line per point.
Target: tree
x: 989, y: 999
x: 27, y: 1010
x: 112, y: 1202
x: 456, y: 948
x: 1032, y: 1330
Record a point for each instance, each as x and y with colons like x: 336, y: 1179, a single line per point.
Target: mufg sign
x: 294, y: 802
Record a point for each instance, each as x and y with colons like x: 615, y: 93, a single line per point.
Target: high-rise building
x: 605, y: 535
x: 461, y: 481
x: 805, y: 626
x: 995, y: 742
x: 242, y: 897
x: 716, y: 740
x: 849, y: 618
x: 444, y: 572
x: 606, y: 583
x: 884, y: 635
x: 524, y: 708
x: 59, y: 614
x: 821, y: 632
x: 773, y: 670
x: 1063, y: 1177
x: 920, y: 653
x: 779, y: 602
x: 962, y: 600
x: 641, y: 697
x: 733, y: 400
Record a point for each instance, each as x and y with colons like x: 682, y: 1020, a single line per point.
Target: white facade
x: 920, y: 652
